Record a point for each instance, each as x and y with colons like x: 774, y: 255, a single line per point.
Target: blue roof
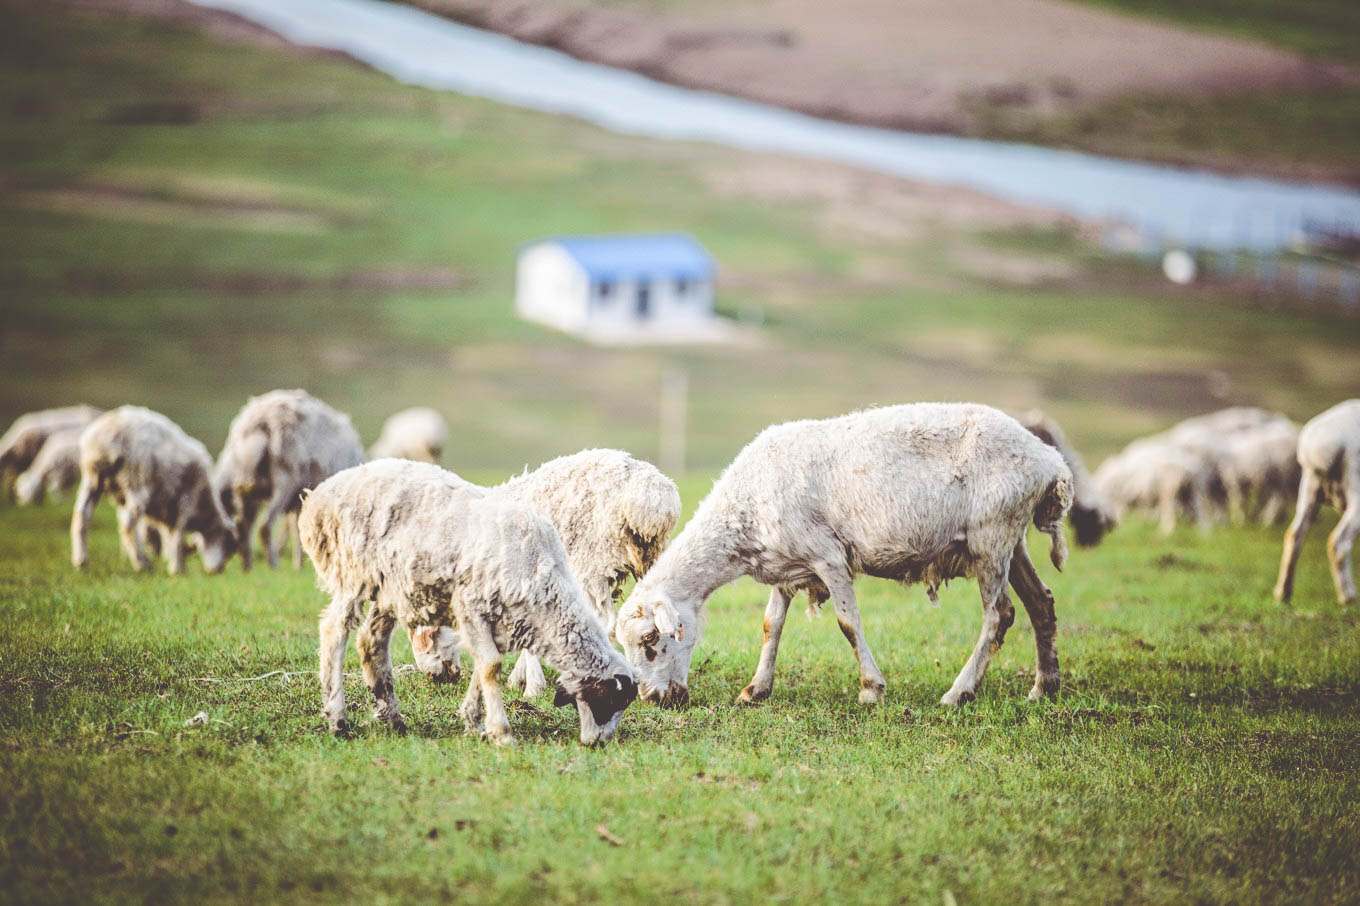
x: 642, y: 255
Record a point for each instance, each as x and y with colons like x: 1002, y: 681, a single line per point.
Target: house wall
x: 665, y: 304
x: 551, y: 287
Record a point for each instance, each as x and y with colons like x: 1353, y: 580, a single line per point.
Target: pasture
x: 187, y: 218
x: 1205, y: 746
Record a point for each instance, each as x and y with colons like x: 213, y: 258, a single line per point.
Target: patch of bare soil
x: 926, y: 65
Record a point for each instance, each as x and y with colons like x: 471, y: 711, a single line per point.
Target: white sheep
x: 25, y: 438
x: 1091, y: 515
x: 1154, y: 473
x: 54, y: 469
x: 614, y: 514
x: 159, y: 478
x: 280, y: 444
x: 1260, y: 470
x: 924, y: 492
x: 1329, y: 454
x: 419, y: 433
x: 429, y: 551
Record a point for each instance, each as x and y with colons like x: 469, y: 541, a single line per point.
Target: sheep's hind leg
x: 1342, y: 540
x: 128, y: 517
x: 277, y: 504
x: 871, y: 684
x: 776, y: 610
x: 528, y: 673
x: 1310, y: 490
x: 375, y: 655
x: 86, y: 498
x: 997, y: 616
x: 337, y: 621
x: 486, y: 660
x: 1038, y: 601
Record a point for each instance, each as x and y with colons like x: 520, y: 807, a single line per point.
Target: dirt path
x: 923, y: 65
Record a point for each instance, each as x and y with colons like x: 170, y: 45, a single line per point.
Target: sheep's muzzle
x: 674, y: 696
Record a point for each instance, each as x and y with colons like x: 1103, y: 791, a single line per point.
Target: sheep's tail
x: 1048, y: 516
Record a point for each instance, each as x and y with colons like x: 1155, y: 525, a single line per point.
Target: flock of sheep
x: 916, y: 493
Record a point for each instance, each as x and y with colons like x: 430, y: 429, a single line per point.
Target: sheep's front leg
x: 1341, y: 542
x: 528, y: 673
x: 86, y: 498
x: 245, y: 522
x: 337, y: 620
x: 776, y: 610
x: 375, y: 655
x: 1038, y: 601
x: 1310, y: 495
x: 486, y: 660
x: 295, y: 539
x: 997, y: 616
x: 871, y: 684
x: 129, y: 514
x: 172, y: 546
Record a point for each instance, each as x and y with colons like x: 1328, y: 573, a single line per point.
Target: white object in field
x: 1179, y: 267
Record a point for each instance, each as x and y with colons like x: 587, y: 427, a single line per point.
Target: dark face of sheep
x: 600, y: 704
x: 659, y: 644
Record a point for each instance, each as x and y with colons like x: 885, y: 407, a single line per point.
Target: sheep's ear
x: 668, y: 620
x: 562, y: 697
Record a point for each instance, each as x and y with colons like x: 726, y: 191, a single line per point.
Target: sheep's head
x: 599, y: 702
x: 435, y: 649
x: 658, y: 639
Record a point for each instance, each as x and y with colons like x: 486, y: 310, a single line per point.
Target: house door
x: 644, y: 301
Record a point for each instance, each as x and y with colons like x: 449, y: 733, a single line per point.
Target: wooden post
x: 673, y: 410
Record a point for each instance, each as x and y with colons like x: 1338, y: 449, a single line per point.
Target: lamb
x: 279, y: 445
x: 614, y: 514
x: 1260, y: 470
x: 55, y: 468
x: 428, y: 550
x: 159, y: 478
x: 1155, y: 473
x: 1329, y: 454
x: 419, y: 434
x: 26, y: 436
x: 924, y: 492
x: 1091, y: 515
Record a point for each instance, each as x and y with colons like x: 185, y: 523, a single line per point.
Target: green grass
x: 1205, y: 747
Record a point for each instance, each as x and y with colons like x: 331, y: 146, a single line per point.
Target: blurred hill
x: 1253, y: 86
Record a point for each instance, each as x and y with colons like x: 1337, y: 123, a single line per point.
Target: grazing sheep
x: 279, y: 445
x: 614, y: 514
x: 1260, y: 470
x: 419, y: 434
x: 1226, y: 421
x: 159, y: 478
x: 1155, y: 474
x: 1091, y: 515
x: 924, y: 492
x: 430, y: 551
x: 26, y: 436
x: 54, y: 469
x: 1329, y: 454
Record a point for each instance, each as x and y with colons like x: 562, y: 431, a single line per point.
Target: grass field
x: 185, y: 221
x: 1205, y: 747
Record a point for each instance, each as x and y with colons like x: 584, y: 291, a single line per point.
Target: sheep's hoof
x: 398, y: 725
x: 871, y: 694
x: 1044, y: 686
x: 502, y: 738
x: 534, y: 690
x: 1282, y: 594
x: 340, y: 729
x: 957, y: 699
x: 753, y: 696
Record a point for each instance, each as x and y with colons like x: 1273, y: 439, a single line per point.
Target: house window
x: 604, y: 289
x: 644, y: 300
x: 681, y: 288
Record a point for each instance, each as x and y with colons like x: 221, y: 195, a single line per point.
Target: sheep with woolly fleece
x: 1260, y: 470
x: 1156, y: 474
x: 430, y: 551
x: 280, y: 444
x: 924, y: 492
x: 25, y: 438
x: 159, y: 478
x: 419, y: 433
x: 54, y: 469
x: 614, y: 514
x: 1329, y: 455
x: 1091, y: 515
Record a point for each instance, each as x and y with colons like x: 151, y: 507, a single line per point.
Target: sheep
x: 419, y: 433
x: 430, y: 551
x: 25, y: 438
x: 1154, y: 473
x: 924, y: 492
x: 1329, y: 454
x: 614, y: 514
x: 1091, y: 515
x: 1261, y: 471
x: 279, y: 445
x: 159, y: 478
x: 55, y: 468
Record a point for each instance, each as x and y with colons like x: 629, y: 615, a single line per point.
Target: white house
x: 648, y: 287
